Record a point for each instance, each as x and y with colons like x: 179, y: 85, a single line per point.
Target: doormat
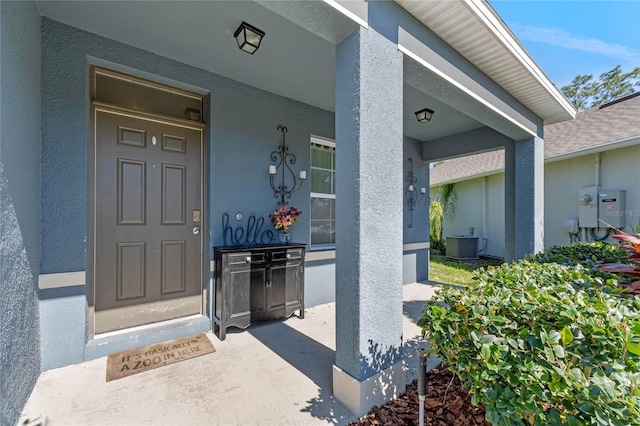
x: 134, y: 361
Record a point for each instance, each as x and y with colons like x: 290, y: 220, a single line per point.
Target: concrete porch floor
x: 276, y: 373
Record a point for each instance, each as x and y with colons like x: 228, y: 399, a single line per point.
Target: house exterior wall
x: 561, y: 197
x: 563, y: 179
x: 621, y: 170
x: 481, y: 206
x: 468, y: 210
x: 237, y: 149
x: 618, y: 170
x: 495, y: 216
x: 416, y: 238
x: 19, y: 205
x: 241, y: 135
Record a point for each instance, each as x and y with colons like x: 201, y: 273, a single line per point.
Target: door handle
x: 196, y: 230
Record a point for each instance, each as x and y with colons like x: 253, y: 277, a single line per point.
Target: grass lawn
x: 450, y: 271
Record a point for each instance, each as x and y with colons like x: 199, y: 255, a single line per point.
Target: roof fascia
x: 463, y: 179
x: 357, y: 11
x: 502, y: 33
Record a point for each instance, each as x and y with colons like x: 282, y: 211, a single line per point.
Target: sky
x: 571, y: 37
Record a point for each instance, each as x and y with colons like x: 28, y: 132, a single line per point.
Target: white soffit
x: 476, y: 31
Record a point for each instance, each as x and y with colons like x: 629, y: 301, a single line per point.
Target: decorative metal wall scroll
x: 282, y: 172
x: 411, y: 194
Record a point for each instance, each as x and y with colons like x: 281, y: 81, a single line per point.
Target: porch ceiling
x: 291, y: 61
x: 295, y: 60
x: 446, y: 120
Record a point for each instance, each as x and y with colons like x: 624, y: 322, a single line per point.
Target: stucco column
x: 524, y: 198
x: 368, y: 366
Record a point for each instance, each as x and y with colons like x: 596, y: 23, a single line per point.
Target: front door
x: 147, y: 219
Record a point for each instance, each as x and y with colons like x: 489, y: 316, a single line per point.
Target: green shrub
x: 588, y: 255
x: 581, y: 253
x: 438, y: 245
x: 541, y: 344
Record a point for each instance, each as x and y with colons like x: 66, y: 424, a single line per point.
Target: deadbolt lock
x: 196, y: 216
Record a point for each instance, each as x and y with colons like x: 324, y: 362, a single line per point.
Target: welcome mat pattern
x: 134, y: 361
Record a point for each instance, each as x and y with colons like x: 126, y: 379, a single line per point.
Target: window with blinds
x: 323, y: 193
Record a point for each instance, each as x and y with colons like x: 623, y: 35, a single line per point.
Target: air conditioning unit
x: 462, y: 247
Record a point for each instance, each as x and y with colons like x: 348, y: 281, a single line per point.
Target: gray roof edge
x: 462, y: 179
x: 622, y: 143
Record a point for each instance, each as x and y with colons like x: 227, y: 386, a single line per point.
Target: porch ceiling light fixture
x: 410, y: 194
x: 424, y: 115
x: 248, y: 37
x: 288, y: 183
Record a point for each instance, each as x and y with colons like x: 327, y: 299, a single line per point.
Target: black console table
x: 257, y: 284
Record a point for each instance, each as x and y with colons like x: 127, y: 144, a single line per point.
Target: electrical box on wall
x: 571, y: 226
x: 588, y: 207
x: 612, y: 207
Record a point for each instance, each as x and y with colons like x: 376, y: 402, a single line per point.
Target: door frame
x: 96, y: 106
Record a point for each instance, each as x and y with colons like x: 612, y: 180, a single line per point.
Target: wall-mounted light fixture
x: 411, y: 193
x: 248, y: 37
x: 424, y: 115
x: 284, y: 158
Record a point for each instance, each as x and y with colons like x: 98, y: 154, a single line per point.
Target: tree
x: 615, y: 84
x: 443, y: 207
x: 436, y: 216
x: 585, y: 92
x: 449, y: 198
x: 580, y: 91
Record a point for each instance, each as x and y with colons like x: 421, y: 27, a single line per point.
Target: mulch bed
x: 446, y: 404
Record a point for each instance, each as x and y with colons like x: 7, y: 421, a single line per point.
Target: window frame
x: 319, y: 140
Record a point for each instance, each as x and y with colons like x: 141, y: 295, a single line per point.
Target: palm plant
x: 443, y: 207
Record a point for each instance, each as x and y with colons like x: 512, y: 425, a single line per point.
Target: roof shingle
x: 596, y: 127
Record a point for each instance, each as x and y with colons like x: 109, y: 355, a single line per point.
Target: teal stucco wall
x: 19, y: 206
